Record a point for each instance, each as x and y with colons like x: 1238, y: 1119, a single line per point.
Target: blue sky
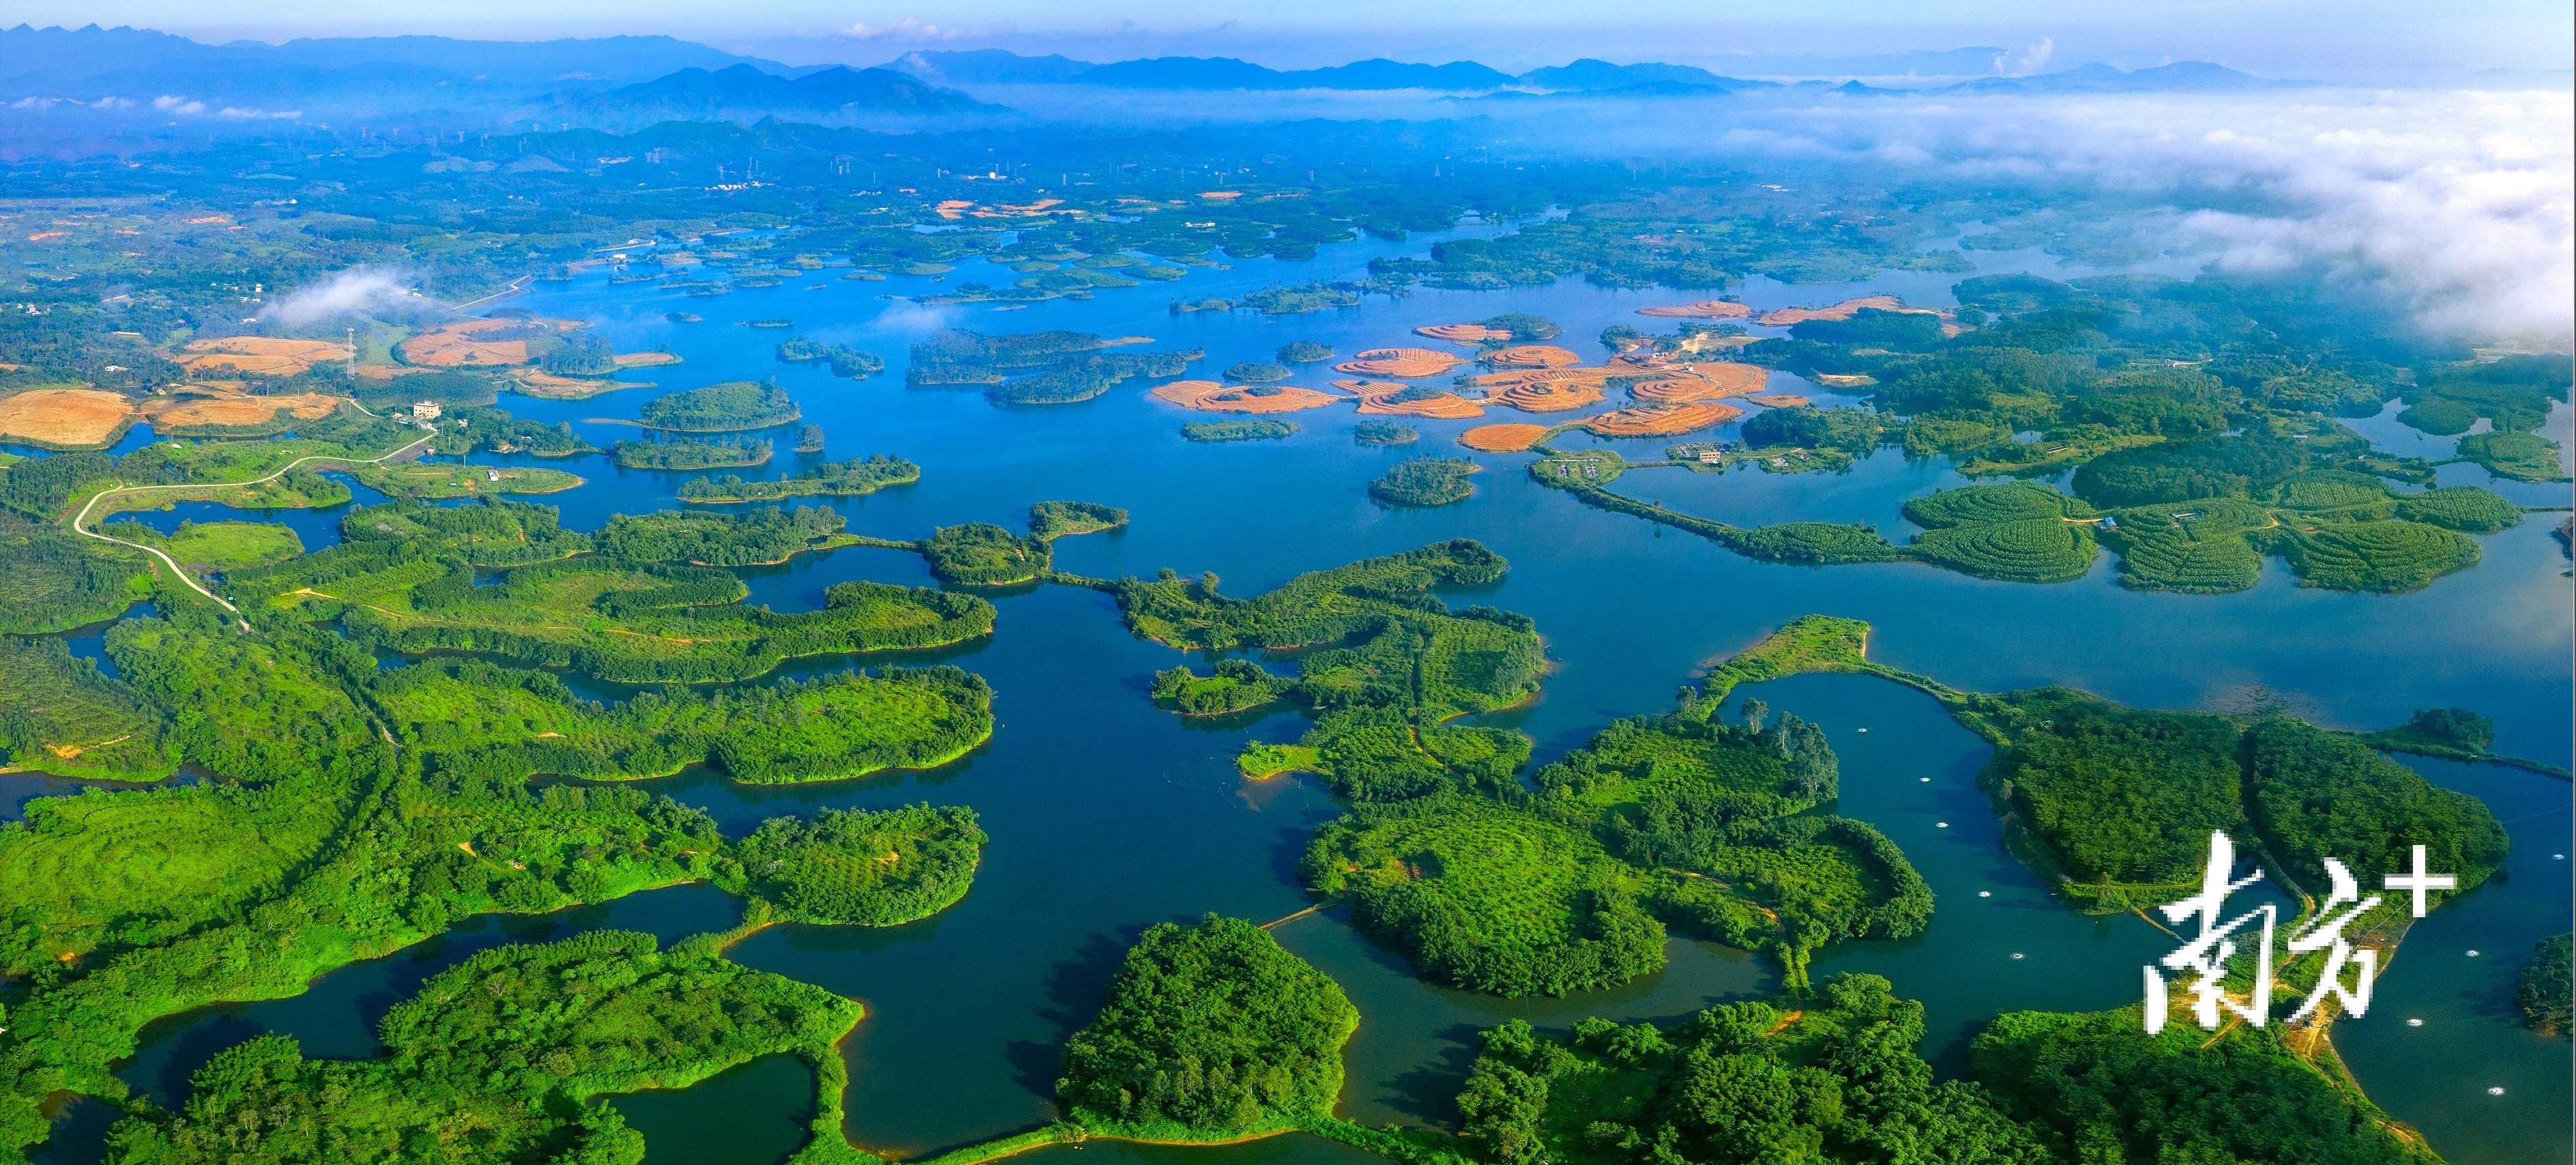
x: 2345, y: 40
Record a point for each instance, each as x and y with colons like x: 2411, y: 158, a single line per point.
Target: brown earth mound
x: 1841, y: 311
x: 1212, y: 397
x: 257, y: 356
x: 1505, y: 438
x: 1551, y: 396
x: 1377, y: 399
x: 549, y: 387
x: 1781, y: 400
x: 1706, y: 309
x: 1661, y: 420
x: 467, y: 344
x: 176, y: 416
x: 65, y: 417
x: 1840, y: 380
x: 1597, y: 376
x: 645, y: 359
x: 1691, y: 382
x: 1402, y: 363
x: 1462, y: 333
x: 1534, y: 356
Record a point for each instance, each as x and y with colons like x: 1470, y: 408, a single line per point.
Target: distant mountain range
x: 1587, y: 76
x: 631, y: 81
x: 833, y: 95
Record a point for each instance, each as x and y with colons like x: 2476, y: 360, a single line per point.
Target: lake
x: 1107, y: 815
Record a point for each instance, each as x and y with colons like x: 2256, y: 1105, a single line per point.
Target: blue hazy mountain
x: 95, y: 62
x: 745, y: 93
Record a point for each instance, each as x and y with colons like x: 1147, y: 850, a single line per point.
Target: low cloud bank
x: 359, y: 289
x: 2459, y: 206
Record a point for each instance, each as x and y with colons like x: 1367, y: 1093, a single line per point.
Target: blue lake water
x: 1107, y: 816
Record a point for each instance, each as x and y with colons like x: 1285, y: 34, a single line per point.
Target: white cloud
x: 2032, y: 60
x: 355, y: 290
x: 178, y: 105
x: 914, y: 29
x: 2460, y: 206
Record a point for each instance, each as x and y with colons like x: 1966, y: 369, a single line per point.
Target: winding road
x: 80, y: 520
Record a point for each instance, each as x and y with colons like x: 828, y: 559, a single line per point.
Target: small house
x: 426, y: 410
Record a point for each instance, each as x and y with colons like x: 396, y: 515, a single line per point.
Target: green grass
x: 2207, y: 553
x: 59, y: 714
x: 2032, y: 550
x: 216, y: 546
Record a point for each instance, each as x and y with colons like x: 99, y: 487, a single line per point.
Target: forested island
x: 855, y: 477
x: 731, y: 407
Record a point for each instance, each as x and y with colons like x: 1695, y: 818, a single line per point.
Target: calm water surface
x: 1108, y: 816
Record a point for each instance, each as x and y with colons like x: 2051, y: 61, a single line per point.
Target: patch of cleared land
x: 1662, y: 420
x: 1399, y: 363
x: 1551, y: 396
x: 65, y: 418
x: 1380, y: 399
x: 552, y: 387
x: 1848, y: 308
x: 1533, y: 356
x: 1463, y: 333
x: 1209, y: 396
x: 1693, y: 382
x: 1512, y: 437
x: 1706, y: 309
x: 479, y: 343
x: 177, y: 416
x: 257, y: 356
x: 1781, y: 400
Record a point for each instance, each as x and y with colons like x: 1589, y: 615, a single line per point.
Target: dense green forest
x: 2542, y: 992
x: 1384, y: 433
x: 732, y: 406
x: 1250, y: 429
x: 632, y: 619
x: 983, y: 554
x: 1425, y: 481
x: 2098, y: 1087
x: 2123, y: 801
x: 855, y: 477
x: 1051, y: 367
x: 63, y: 716
x: 1209, y: 1029
x: 1829, y: 1077
x: 864, y: 868
x: 842, y: 359
x: 686, y: 453
x: 503, y: 1057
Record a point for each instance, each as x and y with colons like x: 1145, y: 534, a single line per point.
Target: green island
x: 1235, y: 685
x: 750, y: 538
x: 1259, y: 371
x: 1384, y: 433
x: 1832, y: 1075
x: 1059, y: 367
x: 1304, y: 352
x: 2193, y: 516
x: 2115, y: 805
x: 1261, y: 1030
x: 521, y: 1045
x: 730, y: 407
x: 351, y: 848
x: 496, y: 431
x: 1425, y: 481
x: 447, y: 480
x: 2542, y: 991
x: 1250, y: 429
x: 985, y: 555
x: 413, y: 588
x: 686, y: 453
x: 855, y: 477
x: 842, y: 359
